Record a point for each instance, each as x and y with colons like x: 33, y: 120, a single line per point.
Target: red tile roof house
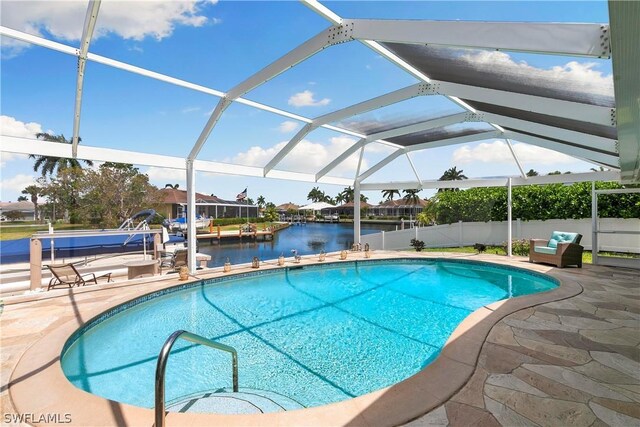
x: 175, y: 205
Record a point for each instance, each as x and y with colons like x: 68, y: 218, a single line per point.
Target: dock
x: 253, y: 232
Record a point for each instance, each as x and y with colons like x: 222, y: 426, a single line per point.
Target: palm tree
x: 348, y: 194
x: 34, y: 192
x: 452, y: 174
x: 389, y: 194
x: 48, y: 164
x: 316, y: 195
x: 429, y: 213
x: 261, y: 202
x: 411, y: 198
x: 173, y: 186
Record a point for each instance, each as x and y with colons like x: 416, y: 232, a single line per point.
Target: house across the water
x: 175, y: 205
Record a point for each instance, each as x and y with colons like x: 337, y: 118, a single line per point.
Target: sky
x: 220, y: 44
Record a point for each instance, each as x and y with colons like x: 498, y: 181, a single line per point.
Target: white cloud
x: 9, y: 157
x: 12, y: 127
x: 132, y: 20
x: 498, y: 152
x: 573, y: 74
x: 305, y: 99
x: 307, y: 156
x: 288, y: 126
x: 166, y: 175
x: 17, y: 183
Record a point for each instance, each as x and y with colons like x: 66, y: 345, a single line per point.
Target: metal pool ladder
x: 161, y: 367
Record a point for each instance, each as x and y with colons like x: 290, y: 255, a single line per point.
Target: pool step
x: 225, y: 401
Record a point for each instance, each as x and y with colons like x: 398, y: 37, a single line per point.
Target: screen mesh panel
x: 561, y: 141
x: 403, y: 113
x: 496, y: 70
x: 543, y: 119
x: 437, y: 134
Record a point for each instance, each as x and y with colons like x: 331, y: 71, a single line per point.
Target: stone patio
x: 574, y: 361
x: 570, y: 362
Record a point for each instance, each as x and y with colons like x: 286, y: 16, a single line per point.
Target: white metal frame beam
x: 382, y: 163
x: 18, y: 145
x: 590, y: 40
x: 584, y: 139
x: 362, y: 107
x: 494, y: 182
x: 87, y: 33
x: 433, y: 144
x: 624, y: 17
x: 59, y: 47
x: 515, y: 158
x: 579, y: 152
x: 417, y: 127
x: 465, y: 139
x: 330, y: 36
x: 342, y: 157
x: 538, y: 104
x: 422, y: 126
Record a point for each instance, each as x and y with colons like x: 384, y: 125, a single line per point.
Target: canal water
x: 307, y: 239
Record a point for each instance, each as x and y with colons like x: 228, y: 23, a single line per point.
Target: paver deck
x: 570, y: 362
x: 574, y: 361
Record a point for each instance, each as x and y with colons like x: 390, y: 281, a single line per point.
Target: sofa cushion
x: 561, y: 237
x: 545, y: 250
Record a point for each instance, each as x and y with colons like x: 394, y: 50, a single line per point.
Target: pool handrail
x: 161, y: 367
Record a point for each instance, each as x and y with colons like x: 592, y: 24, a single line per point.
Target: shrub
x: 518, y: 247
x: 14, y: 215
x: 535, y: 202
x: 417, y: 244
x: 232, y: 221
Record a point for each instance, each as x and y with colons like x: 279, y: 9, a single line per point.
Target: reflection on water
x: 307, y: 239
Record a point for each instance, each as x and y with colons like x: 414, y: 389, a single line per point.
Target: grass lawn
x: 12, y: 231
x: 499, y: 250
x: 20, y: 230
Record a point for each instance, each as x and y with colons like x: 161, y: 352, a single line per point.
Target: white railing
x: 495, y: 233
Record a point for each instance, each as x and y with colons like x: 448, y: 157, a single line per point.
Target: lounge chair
x: 176, y: 261
x: 561, y: 250
x: 67, y: 274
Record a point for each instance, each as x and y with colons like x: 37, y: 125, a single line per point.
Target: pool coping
x: 39, y: 368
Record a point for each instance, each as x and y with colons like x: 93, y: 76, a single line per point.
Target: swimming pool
x: 317, y: 335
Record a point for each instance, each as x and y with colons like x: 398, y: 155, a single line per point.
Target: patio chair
x: 561, y: 250
x: 177, y: 260
x: 67, y: 274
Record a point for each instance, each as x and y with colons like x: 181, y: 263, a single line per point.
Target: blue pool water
x: 317, y: 335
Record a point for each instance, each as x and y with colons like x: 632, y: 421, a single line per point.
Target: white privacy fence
x: 495, y: 233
